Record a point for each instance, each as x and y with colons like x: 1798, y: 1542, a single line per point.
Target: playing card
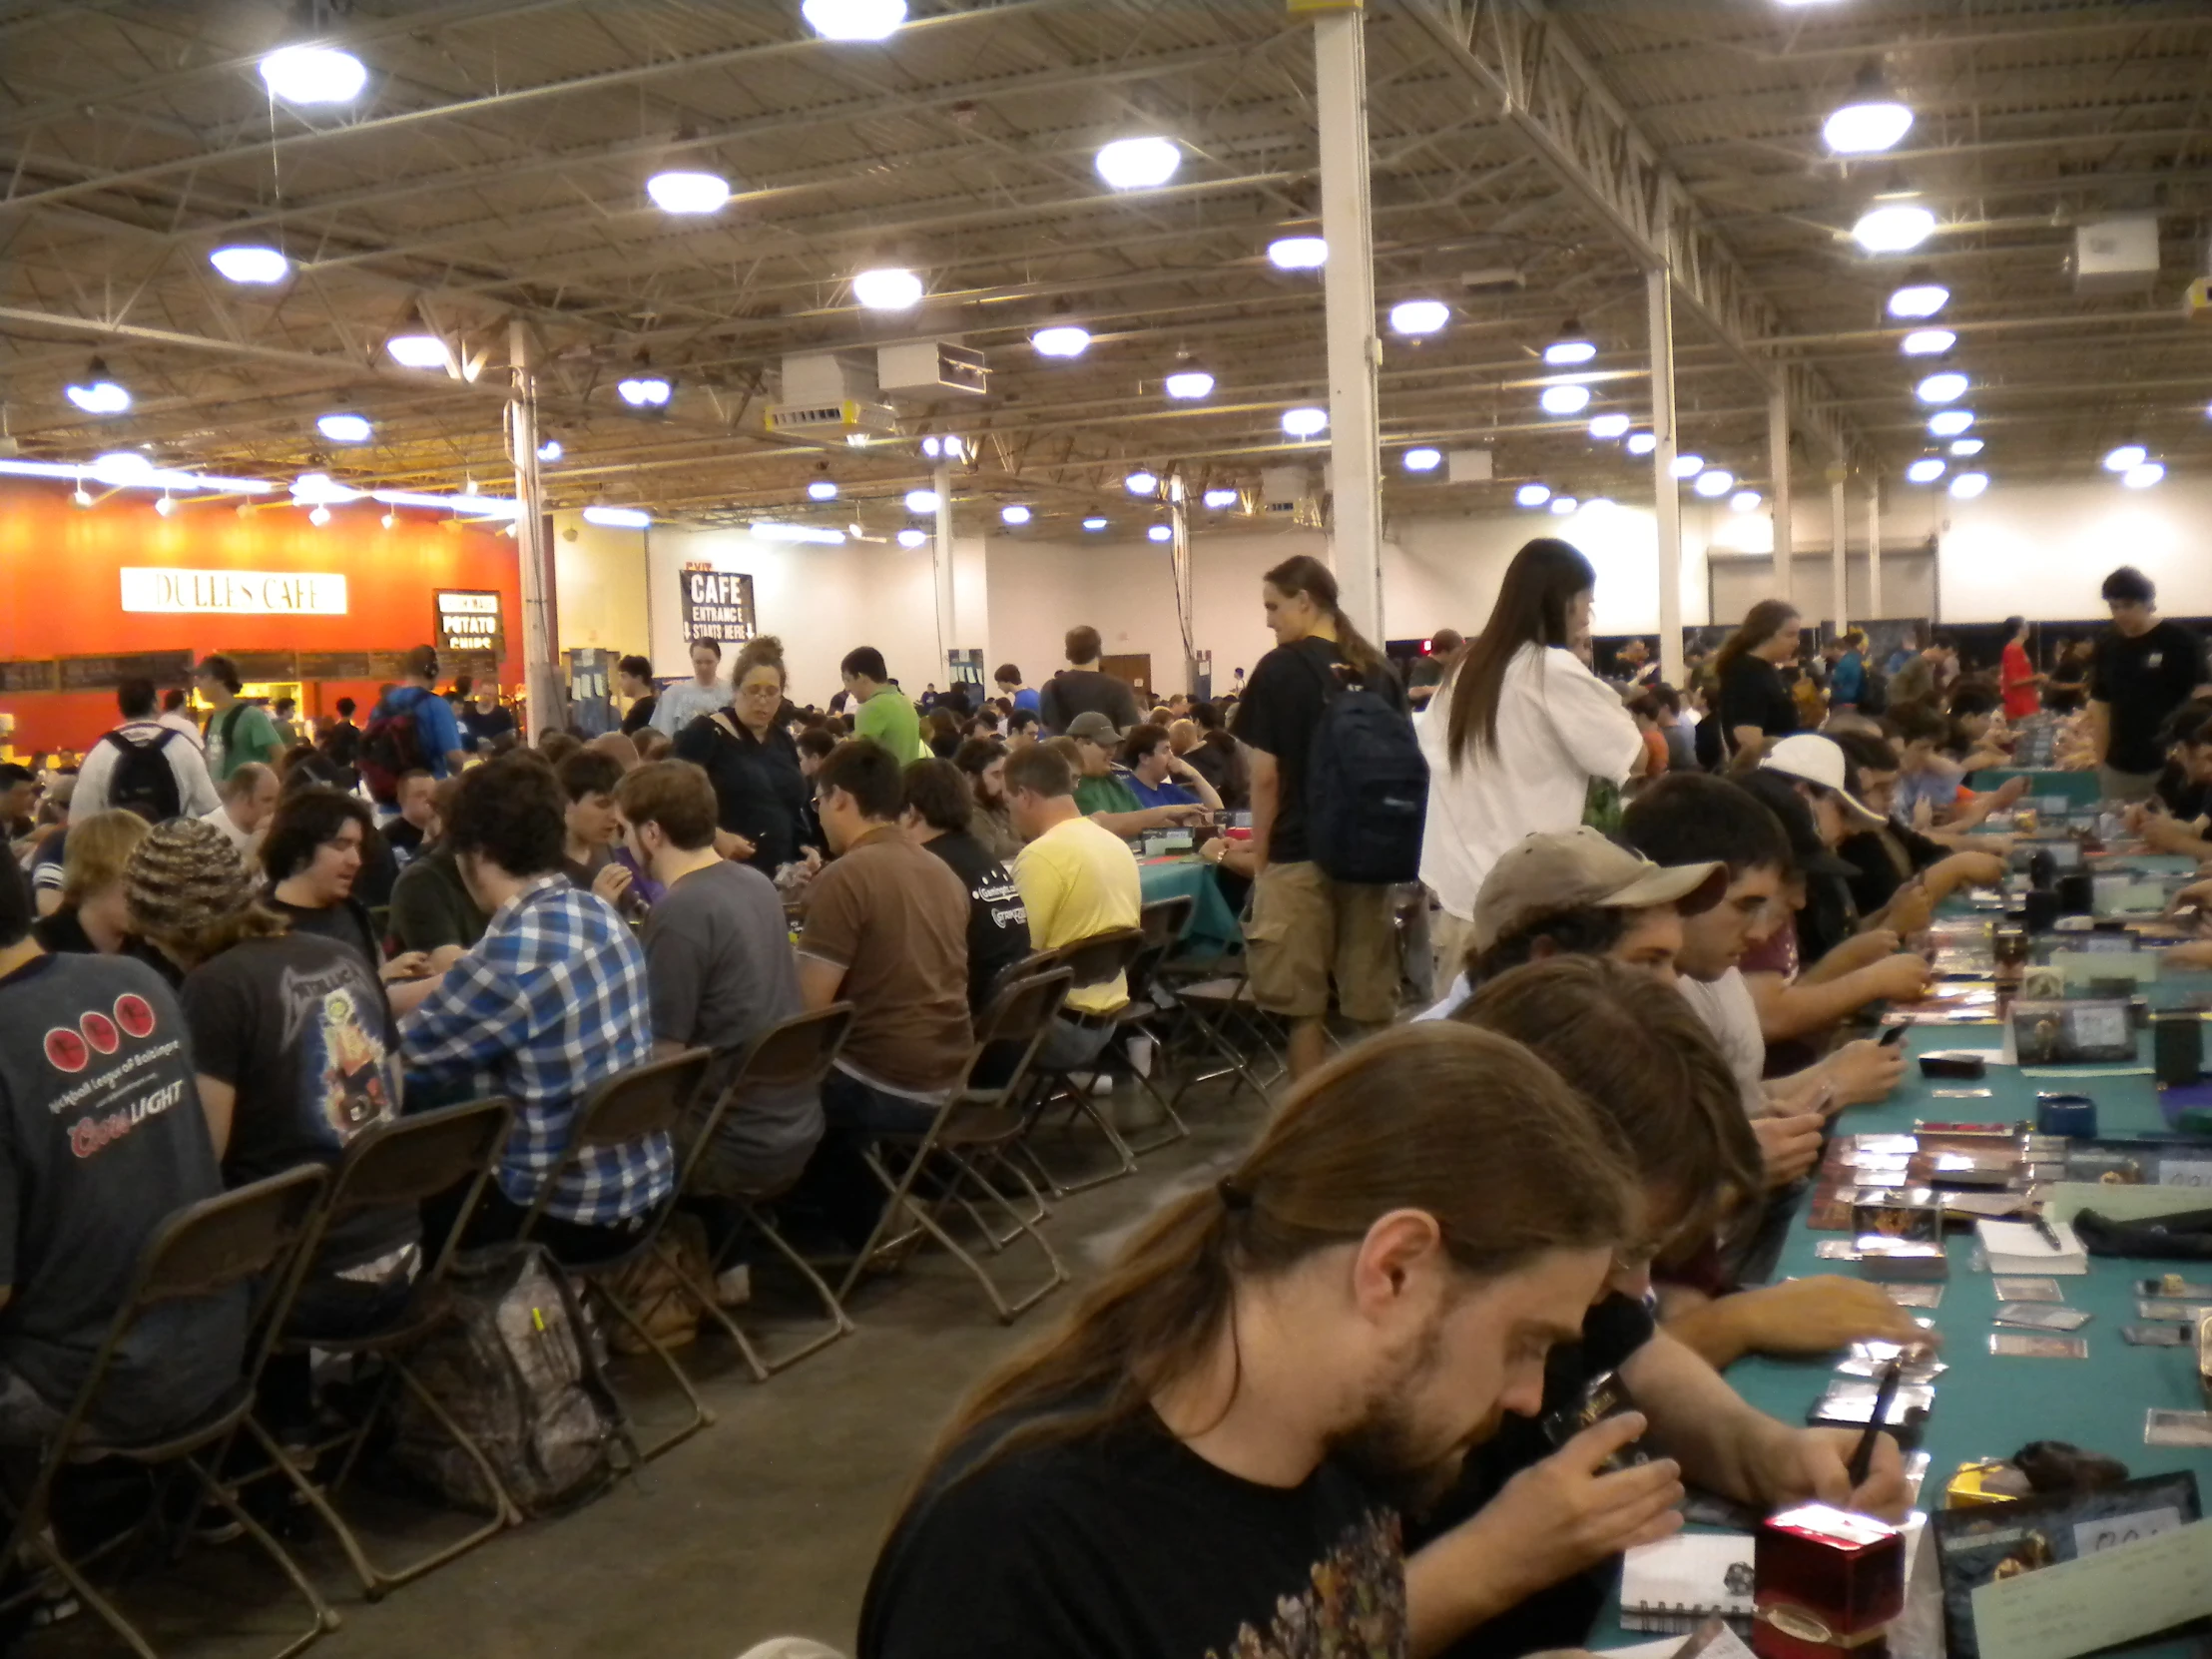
x: 2020, y: 1346
x: 2028, y: 1290
x: 2155, y: 1335
x: 2042, y: 1316
x: 2188, y: 1313
x: 1915, y: 1295
x: 2177, y: 1428
x: 2174, y: 1285
x: 1836, y: 1250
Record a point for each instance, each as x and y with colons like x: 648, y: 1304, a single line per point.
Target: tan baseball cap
x: 1579, y: 869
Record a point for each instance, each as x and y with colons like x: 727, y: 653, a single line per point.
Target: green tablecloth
x: 1212, y: 925
x: 2079, y: 788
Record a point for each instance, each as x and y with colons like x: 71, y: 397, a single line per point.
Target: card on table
x: 2174, y: 1285
x: 2155, y: 1335
x: 2177, y: 1428
x: 2019, y: 1344
x: 1836, y: 1250
x: 2011, y: 1289
x: 2042, y: 1316
x: 1915, y: 1295
x: 2187, y: 1312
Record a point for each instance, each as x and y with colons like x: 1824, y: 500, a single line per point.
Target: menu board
x: 717, y: 604
x: 336, y: 664
x: 262, y: 667
x: 468, y: 620
x: 107, y: 673
x: 27, y: 676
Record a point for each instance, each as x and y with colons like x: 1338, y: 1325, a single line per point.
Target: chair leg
x: 511, y: 1512
x: 840, y: 1323
x: 1007, y: 1311
x: 700, y: 1417
x: 325, y: 1616
x: 898, y: 1196
x: 81, y: 1587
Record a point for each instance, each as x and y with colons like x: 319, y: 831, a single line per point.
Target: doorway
x: 1136, y: 669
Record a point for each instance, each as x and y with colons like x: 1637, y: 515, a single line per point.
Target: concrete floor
x: 764, y: 1524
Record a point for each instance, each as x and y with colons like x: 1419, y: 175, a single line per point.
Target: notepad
x: 1676, y: 1584
x: 2019, y: 1247
x: 2115, y: 1595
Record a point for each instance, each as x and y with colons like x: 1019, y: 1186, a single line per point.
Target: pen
x: 2049, y: 1232
x: 1861, y: 1456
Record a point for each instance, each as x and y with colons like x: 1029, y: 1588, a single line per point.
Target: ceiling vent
x: 846, y: 417
x: 931, y: 369
x: 2116, y: 256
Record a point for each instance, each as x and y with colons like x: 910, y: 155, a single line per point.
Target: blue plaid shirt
x: 550, y: 1003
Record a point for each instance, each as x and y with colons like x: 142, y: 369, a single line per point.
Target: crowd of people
x: 1594, y: 978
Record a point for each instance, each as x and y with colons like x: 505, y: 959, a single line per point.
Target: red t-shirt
x: 2020, y: 701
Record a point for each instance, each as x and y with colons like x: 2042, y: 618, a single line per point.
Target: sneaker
x: 1097, y: 1084
x: 1140, y: 1055
x: 733, y: 1286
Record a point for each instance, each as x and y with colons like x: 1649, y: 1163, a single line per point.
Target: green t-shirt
x: 1105, y: 794
x: 253, y: 737
x: 889, y: 717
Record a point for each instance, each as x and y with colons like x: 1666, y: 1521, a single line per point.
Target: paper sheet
x: 2065, y: 1200
x: 2118, y: 1595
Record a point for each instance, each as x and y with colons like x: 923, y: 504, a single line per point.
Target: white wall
x: 2045, y: 551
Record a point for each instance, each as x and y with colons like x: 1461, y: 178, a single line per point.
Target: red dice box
x: 1829, y: 1583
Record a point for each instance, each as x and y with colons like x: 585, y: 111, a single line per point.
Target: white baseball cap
x: 1814, y: 759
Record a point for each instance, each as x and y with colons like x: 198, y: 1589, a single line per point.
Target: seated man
x: 417, y: 820
x: 1931, y: 793
x: 319, y: 841
x: 431, y: 911
x: 2178, y: 816
x: 939, y: 810
x: 248, y: 797
x: 718, y: 965
x: 548, y: 1005
x: 104, y: 1141
x: 1157, y: 776
x: 1077, y: 880
x: 1103, y: 794
x: 1901, y: 876
x: 589, y: 779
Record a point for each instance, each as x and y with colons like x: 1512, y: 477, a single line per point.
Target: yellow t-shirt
x: 1079, y: 880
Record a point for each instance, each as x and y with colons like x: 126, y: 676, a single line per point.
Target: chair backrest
x: 239, y: 1234
x: 796, y: 1053
x: 637, y: 1102
x: 1102, y: 957
x: 409, y: 1159
x: 1164, y: 919
x: 1023, y: 1008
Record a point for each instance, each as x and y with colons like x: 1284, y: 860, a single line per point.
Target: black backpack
x: 143, y: 780
x: 1367, y: 787
x: 1873, y: 692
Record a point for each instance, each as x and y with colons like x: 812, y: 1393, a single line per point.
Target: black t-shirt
x: 640, y: 713
x: 299, y: 1027
x: 101, y: 1140
x: 760, y: 792
x: 1884, y: 858
x: 1752, y: 693
x: 341, y: 744
x: 482, y: 728
x: 1279, y: 714
x: 64, y: 934
x: 1082, y: 691
x: 2144, y: 680
x: 998, y: 922
x: 346, y: 922
x: 1560, y: 1616
x: 2183, y: 795
x: 1129, y: 1545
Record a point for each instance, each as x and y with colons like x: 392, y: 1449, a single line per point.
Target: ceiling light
x: 680, y: 191
x: 1917, y: 300
x: 1418, y: 317
x: 1968, y: 485
x: 618, y: 518
x: 390, y: 520
x: 1139, y: 483
x: 312, y: 75
x: 645, y: 391
x: 1744, y: 501
x: 1190, y: 385
x: 1161, y: 532
x: 1094, y: 524
x: 1597, y: 503
x: 250, y: 262
x: 1928, y: 343
x: 1532, y: 496
x: 2127, y: 456
x: 1571, y: 345
x: 910, y: 537
x: 853, y: 18
x: 122, y: 466
x: 2142, y: 477
x: 921, y: 501
x: 487, y: 507
x: 83, y: 497
x: 887, y: 288
x: 320, y: 489
x: 1304, y: 421
x: 550, y: 451
x: 95, y: 393
x: 1298, y: 253
x: 165, y: 506
x: 1609, y: 426
x: 1871, y: 122
x: 1925, y: 470
x: 1016, y: 513
x: 1688, y: 467
x: 1641, y: 444
x: 1966, y: 446
x: 1139, y: 163
x: 1062, y: 339
x: 821, y: 489
x: 1714, y: 483
x: 1562, y: 504
x: 319, y: 517
x: 345, y: 428
x: 1950, y: 423
x: 1940, y: 389
x: 1892, y: 227
x: 1564, y: 400
x: 1221, y: 500
x: 416, y: 350
x: 1423, y: 459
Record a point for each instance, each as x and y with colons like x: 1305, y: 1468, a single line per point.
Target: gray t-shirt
x: 719, y: 961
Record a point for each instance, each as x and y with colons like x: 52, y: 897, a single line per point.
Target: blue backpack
x: 1367, y: 787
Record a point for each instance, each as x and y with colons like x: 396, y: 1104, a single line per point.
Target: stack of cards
x: 2036, y: 1303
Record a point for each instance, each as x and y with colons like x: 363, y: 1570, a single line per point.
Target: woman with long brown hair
x: 1755, y: 706
x: 1177, y: 1470
x: 751, y: 759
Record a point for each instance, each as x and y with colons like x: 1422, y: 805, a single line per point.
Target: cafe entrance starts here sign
x: 718, y: 604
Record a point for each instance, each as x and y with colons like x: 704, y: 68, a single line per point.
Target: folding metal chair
x: 401, y: 1162
x: 975, y: 1128
x: 796, y: 1054
x: 629, y: 1106
x: 1162, y: 924
x: 243, y: 1238
x: 1093, y: 961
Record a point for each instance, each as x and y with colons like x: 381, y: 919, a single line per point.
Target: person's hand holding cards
x: 1568, y: 1512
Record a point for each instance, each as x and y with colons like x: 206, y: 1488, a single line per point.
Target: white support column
x: 1354, y: 427
x: 1666, y: 488
x: 1874, y: 548
x: 544, y: 688
x: 1835, y: 476
x: 941, y: 554
x: 1178, y: 520
x: 1778, y: 469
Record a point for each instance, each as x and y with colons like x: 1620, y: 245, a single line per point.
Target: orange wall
x: 61, y: 596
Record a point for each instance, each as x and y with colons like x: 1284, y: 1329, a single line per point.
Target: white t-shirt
x: 1558, y: 726
x: 195, y: 791
x: 1726, y: 1008
x: 248, y: 843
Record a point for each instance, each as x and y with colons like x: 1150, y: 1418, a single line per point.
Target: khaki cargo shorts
x: 1307, y: 929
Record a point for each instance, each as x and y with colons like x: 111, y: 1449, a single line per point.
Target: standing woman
x: 1755, y: 706
x: 1516, y: 734
x: 753, y: 761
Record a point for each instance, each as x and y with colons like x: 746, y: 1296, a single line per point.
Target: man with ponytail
x: 1208, y: 1457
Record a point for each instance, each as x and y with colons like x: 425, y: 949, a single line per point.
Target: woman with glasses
x: 752, y: 761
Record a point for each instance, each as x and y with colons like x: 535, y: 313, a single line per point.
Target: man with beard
x: 1208, y: 1457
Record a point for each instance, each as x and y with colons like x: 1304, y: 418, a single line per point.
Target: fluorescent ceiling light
x: 1094, y: 524
x: 1597, y: 503
x: 1562, y: 504
x: 1928, y: 343
x: 320, y: 489
x: 618, y: 518
x: 1715, y: 482
x: 1609, y: 426
x: 1161, y: 532
x: 1688, y: 467
x: 1564, y: 400
x: 1642, y: 443
x: 853, y: 18
x: 550, y: 451
x: 483, y: 506
x: 122, y: 466
x: 250, y: 262
x: 1940, y: 389
x: 1304, y: 421
x: 1013, y: 513
x: 921, y: 501
x: 1139, y: 163
x: 887, y: 288
x: 1423, y: 459
x: 416, y: 350
x: 1892, y: 227
x: 1139, y: 483
x: 1190, y: 385
x: 818, y: 535
x: 1062, y: 339
x: 910, y: 537
x: 1221, y: 500
x: 1966, y: 446
x: 1418, y: 317
x: 1950, y: 423
x: 1298, y: 253
x: 1532, y: 496
x: 345, y: 428
x: 821, y: 489
x: 165, y: 505
x: 1919, y: 300
x: 314, y: 75
x: 1968, y: 485
x: 2142, y: 477
x: 1572, y: 346
x: 1743, y: 501
x: 645, y: 391
x: 2125, y: 456
x: 679, y: 190
x: 1925, y: 470
x: 99, y: 396
x: 1867, y: 126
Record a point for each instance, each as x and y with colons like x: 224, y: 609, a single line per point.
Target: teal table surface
x: 2079, y: 789
x: 1212, y: 925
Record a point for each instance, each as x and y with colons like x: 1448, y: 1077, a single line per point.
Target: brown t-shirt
x: 894, y: 917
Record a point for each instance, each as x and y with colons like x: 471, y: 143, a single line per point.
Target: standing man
x: 437, y: 742
x: 1010, y: 686
x: 484, y: 721
x: 1919, y: 679
x: 2144, y: 669
x: 1445, y: 647
x: 702, y: 693
x: 882, y: 713
x: 143, y: 766
x: 1082, y: 688
x: 237, y: 732
x: 634, y: 678
x: 2017, y: 675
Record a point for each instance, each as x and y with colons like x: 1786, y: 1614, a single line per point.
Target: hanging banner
x: 717, y: 604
